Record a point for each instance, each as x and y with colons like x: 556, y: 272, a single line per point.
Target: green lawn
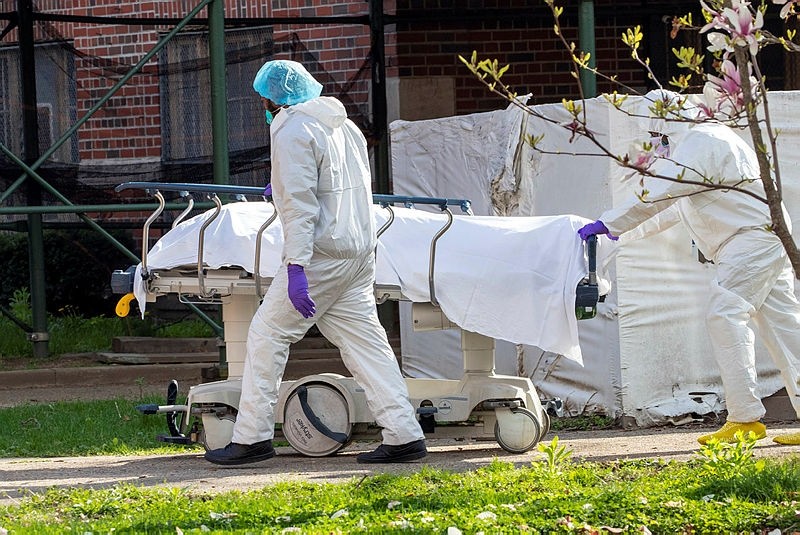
x: 723, y: 490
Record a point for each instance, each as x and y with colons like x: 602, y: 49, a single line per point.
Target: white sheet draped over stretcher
x: 503, y: 277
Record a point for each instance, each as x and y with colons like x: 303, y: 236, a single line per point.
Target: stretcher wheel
x: 517, y: 429
x: 217, y: 428
x: 316, y: 420
x: 545, y: 425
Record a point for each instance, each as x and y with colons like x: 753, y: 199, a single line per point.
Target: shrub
x: 78, y: 267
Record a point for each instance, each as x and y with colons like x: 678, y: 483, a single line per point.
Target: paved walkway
x: 93, y: 382
x: 190, y: 471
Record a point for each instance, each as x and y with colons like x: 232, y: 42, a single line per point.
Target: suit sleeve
x: 295, y: 172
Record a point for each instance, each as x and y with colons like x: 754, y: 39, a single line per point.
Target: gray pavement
x: 93, y: 382
x: 190, y: 471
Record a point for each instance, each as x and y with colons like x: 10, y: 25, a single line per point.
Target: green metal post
x: 379, y: 106
x: 387, y: 312
x: 586, y: 38
x: 30, y: 127
x: 219, y: 106
x: 219, y: 103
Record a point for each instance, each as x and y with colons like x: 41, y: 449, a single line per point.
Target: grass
x: 72, y: 333
x: 723, y: 490
x: 112, y: 427
x: 619, y: 497
x: 588, y: 422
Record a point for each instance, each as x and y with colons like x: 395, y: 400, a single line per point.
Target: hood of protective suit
x: 327, y: 110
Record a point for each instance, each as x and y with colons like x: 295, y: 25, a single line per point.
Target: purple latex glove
x: 598, y: 227
x: 298, y: 291
x: 268, y: 190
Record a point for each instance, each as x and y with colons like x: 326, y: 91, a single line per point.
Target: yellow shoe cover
x: 790, y: 439
x: 728, y: 431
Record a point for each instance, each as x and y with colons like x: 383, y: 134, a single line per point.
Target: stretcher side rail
x: 587, y: 291
x: 212, y: 192
x: 227, y: 281
x: 378, y: 198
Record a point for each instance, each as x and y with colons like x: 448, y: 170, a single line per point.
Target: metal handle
x: 146, y: 231
x: 257, y: 262
x: 206, y: 223
x: 189, y: 206
x: 386, y: 225
x: 432, y: 263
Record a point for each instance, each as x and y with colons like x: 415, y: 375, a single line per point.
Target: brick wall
x: 337, y: 54
x: 426, y: 42
x: 516, y: 33
x: 128, y: 126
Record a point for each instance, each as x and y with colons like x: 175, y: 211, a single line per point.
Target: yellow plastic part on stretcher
x: 123, y: 307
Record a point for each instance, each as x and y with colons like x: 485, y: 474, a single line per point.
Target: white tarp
x: 646, y: 356
x: 484, y: 266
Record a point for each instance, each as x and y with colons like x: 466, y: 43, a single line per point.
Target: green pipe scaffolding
x: 39, y: 336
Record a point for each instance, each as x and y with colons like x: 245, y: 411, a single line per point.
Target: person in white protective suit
x: 322, y: 189
x: 754, y: 281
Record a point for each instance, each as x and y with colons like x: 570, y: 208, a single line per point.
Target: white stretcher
x: 507, y: 278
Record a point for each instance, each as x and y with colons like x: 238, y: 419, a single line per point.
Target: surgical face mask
x: 270, y: 114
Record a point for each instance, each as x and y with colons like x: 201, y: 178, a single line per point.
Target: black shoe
x: 395, y: 454
x: 235, y: 453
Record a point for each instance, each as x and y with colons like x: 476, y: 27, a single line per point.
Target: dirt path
x: 21, y: 476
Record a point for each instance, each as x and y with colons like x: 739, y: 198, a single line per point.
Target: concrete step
x: 306, y: 359
x: 149, y: 344
x: 211, y: 357
x: 154, y: 345
x: 207, y: 357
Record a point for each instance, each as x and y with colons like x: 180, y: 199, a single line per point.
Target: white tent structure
x: 647, y: 356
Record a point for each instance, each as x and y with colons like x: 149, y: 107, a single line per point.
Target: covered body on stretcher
x: 512, y: 278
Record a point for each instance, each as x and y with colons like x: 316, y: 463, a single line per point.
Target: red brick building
x: 158, y: 124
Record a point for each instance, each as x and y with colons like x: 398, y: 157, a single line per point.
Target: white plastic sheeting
x: 647, y: 355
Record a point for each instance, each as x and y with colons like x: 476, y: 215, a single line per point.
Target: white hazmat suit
x: 754, y: 277
x: 322, y: 188
x: 321, y: 185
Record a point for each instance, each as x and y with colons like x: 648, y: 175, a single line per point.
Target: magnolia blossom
x: 709, y: 104
x: 719, y: 42
x: 789, y: 7
x: 641, y: 155
x: 730, y: 83
x: 738, y: 25
x: 726, y: 90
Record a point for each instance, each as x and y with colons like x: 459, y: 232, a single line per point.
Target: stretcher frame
x: 319, y: 414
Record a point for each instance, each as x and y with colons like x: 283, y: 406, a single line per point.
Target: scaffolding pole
x: 30, y: 133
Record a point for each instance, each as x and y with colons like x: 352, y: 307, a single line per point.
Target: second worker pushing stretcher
x: 754, y: 280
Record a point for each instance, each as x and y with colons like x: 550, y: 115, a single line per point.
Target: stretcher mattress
x: 510, y: 278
